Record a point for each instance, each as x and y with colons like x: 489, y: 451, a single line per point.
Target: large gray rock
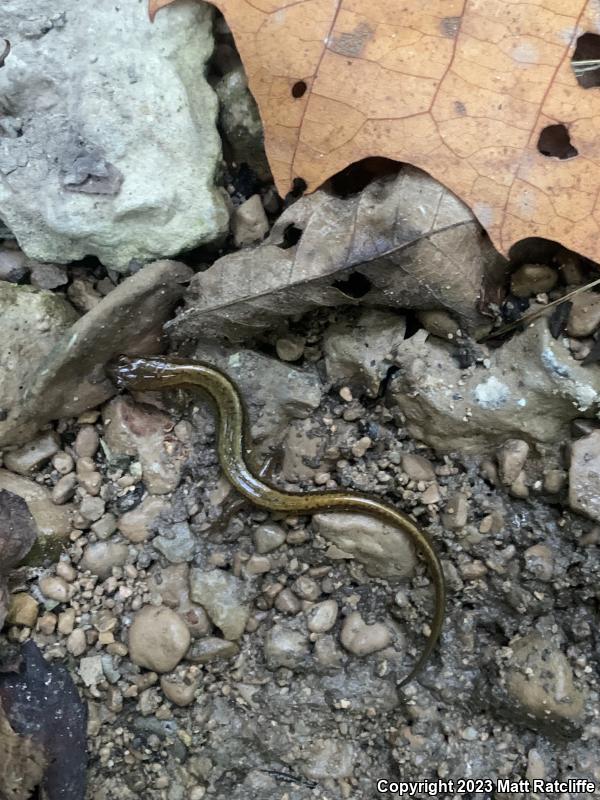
x: 57, y: 370
x: 32, y: 322
x: 531, y: 389
x: 108, y: 142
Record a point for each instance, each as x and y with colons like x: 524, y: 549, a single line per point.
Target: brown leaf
x: 483, y: 96
x: 403, y: 242
x: 42, y: 706
x: 22, y: 763
x: 18, y: 530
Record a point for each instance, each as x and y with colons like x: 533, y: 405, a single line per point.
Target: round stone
x: 158, y: 639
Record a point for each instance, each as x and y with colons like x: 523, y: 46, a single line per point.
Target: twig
x: 539, y: 312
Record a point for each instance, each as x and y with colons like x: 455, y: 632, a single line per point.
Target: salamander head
x: 142, y: 374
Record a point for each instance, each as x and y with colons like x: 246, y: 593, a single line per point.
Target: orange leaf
x: 482, y: 94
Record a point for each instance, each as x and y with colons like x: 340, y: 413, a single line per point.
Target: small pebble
x: 55, y: 588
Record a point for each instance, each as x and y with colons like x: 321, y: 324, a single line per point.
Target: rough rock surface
x: 224, y: 598
x: 274, y: 392
x: 142, y: 431
x: 475, y: 408
x: 32, y: 322
x: 71, y: 378
x: 108, y: 151
x: 385, y: 551
x: 358, y: 351
x: 584, y: 476
x: 51, y: 520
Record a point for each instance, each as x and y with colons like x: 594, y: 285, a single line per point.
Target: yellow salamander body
x: 233, y: 451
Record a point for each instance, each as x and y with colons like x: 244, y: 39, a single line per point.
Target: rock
x: 70, y: 380
x: 210, y: 649
x: 439, y: 323
x: 584, y: 476
x: 417, y: 467
x: 83, y: 295
x: 23, y: 610
x: 362, y: 639
x: 158, y: 639
x: 303, y: 450
x: 285, y: 647
x: 257, y: 565
x: 32, y: 455
x: 92, y: 508
x: 51, y: 520
x: 540, y: 684
x: 268, y: 537
x: 512, y: 456
x: 287, y: 602
x: 136, y: 525
x: 275, y: 392
x: 66, y: 571
x: 328, y: 654
x: 4, y: 600
x: 54, y: 588
x: 472, y: 410
x: 90, y: 670
x: 584, y: 316
x: 100, y: 557
x: 385, y: 551
x: 117, y: 182
x: 87, y: 442
x: 223, y: 596
x: 555, y: 480
x: 358, y: 351
x: 456, y: 512
x: 329, y: 759
x: 76, y: 643
x: 532, y: 279
x: 32, y: 323
x: 66, y: 621
x: 170, y: 584
x: 179, y: 545
x: 63, y: 463
x: 46, y: 624
x: 178, y: 691
x: 144, y: 432
x: 64, y: 489
x: 249, y: 222
x: 13, y: 266
x: 322, y: 617
x: 48, y: 276
x: 240, y: 121
x: 290, y: 347
x: 105, y: 526
x: 306, y: 588
x: 539, y: 560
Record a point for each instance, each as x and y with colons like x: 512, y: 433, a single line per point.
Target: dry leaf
x: 403, y: 242
x: 42, y: 705
x: 463, y: 91
x: 18, y: 530
x: 22, y: 763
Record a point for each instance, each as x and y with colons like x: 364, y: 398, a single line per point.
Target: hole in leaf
x: 299, y: 89
x: 555, y: 142
x: 356, y: 285
x: 354, y: 178
x: 291, y: 237
x: 586, y: 60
